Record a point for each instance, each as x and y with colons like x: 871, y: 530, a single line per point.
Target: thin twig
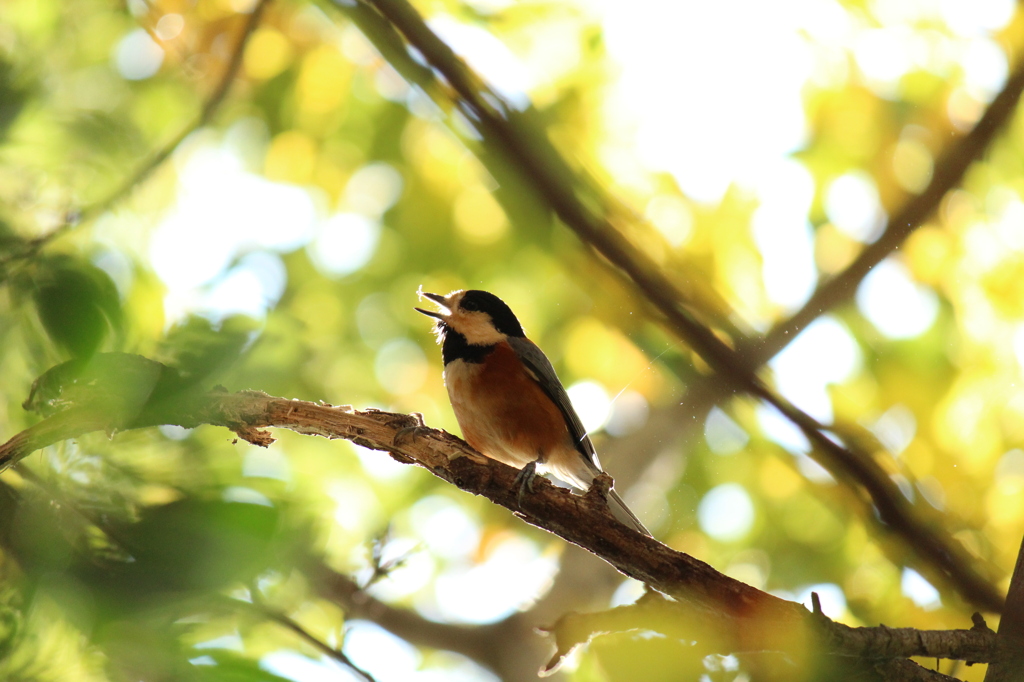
x: 32, y: 246
x: 213, y: 103
x: 485, y: 644
x: 558, y: 184
x: 290, y: 624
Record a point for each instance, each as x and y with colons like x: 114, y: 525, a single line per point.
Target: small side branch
x: 305, y: 635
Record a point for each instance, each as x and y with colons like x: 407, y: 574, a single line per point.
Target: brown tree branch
x: 248, y: 413
x: 584, y: 209
x: 742, y: 616
x: 654, y: 612
x: 904, y: 670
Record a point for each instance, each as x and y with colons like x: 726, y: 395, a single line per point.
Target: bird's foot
x: 524, y: 481
x: 601, y: 487
x: 406, y: 434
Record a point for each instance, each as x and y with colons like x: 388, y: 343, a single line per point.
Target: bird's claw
x: 407, y: 433
x: 524, y: 481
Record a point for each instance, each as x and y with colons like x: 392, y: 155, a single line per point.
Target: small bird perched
x: 508, y: 399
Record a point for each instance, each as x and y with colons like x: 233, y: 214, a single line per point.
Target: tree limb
x: 653, y: 612
x: 305, y: 635
x: 742, y: 616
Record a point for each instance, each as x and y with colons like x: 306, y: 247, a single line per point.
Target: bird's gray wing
x: 544, y: 374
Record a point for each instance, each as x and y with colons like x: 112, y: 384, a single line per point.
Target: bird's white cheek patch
x: 476, y: 327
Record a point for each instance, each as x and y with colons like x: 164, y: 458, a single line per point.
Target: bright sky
x: 709, y: 92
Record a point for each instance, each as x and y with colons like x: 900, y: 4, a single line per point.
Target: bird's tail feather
x: 622, y: 513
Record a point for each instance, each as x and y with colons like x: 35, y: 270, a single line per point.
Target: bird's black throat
x: 454, y: 346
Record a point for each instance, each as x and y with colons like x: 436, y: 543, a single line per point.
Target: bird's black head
x: 470, y: 322
x: 502, y: 317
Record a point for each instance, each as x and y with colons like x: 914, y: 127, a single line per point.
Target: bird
x: 508, y: 399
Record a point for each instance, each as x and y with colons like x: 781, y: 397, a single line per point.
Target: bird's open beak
x: 436, y: 298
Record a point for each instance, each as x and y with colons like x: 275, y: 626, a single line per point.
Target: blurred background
x: 758, y: 146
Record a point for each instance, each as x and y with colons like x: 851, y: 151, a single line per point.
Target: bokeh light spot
x: 822, y: 354
x: 919, y: 590
x: 712, y: 82
x: 783, y: 235
x: 323, y: 80
x: 374, y: 649
x: 726, y: 513
x: 401, y: 366
x: 468, y: 594
x: 985, y: 67
x: 629, y: 414
x: 895, y: 304
x: 445, y: 527
x: 373, y: 189
x: 912, y: 165
x: 267, y: 54
x: 227, y: 211
x: 344, y: 243
x: 487, y: 55
x: 723, y: 435
x: 137, y: 56
x: 895, y: 429
x: 169, y: 26
x: 831, y: 597
x: 852, y: 205
x: 250, y: 288
x: 291, y: 158
x: 672, y: 216
x: 592, y: 404
x: 780, y: 430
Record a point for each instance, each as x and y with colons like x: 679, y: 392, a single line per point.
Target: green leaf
x: 78, y: 304
x: 198, y: 349
x: 15, y: 90
x: 187, y: 547
x: 117, y: 384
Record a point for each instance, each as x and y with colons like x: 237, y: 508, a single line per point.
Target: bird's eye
x: 469, y: 305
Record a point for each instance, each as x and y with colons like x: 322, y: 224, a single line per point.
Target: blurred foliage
x: 280, y: 249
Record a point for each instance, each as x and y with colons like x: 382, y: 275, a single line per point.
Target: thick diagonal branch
x: 743, y: 618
